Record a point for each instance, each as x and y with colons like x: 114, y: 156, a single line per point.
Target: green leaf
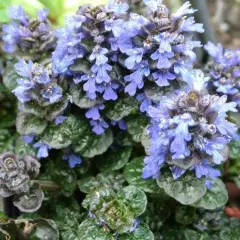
x: 215, y: 197
x: 185, y: 215
x: 45, y: 229
x: 62, y: 175
x: 97, y: 144
x: 235, y: 118
x: 80, y: 99
x: 154, y: 92
x: 145, y: 140
x: 88, y: 230
x: 61, y: 136
x: 122, y: 108
x: 134, y: 198
x: 230, y: 231
x: 133, y: 175
x: 7, y: 141
x: 234, y: 149
x: 186, y: 190
x: 114, y: 160
x: 112, y: 180
x: 10, y: 77
x: 30, y: 125
x: 135, y: 126
x: 81, y: 65
x: 142, y: 232
x: 24, y: 149
x: 106, y: 207
x: 193, y: 235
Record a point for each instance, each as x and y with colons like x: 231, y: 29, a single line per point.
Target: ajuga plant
x: 224, y: 70
x: 131, y: 138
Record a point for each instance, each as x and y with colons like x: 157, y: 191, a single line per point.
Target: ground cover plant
x: 109, y: 131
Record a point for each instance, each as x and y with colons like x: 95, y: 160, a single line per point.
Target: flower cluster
x: 85, y: 52
x: 15, y: 176
x: 189, y: 130
x: 40, y: 88
x: 26, y: 35
x: 157, y: 49
x: 224, y: 69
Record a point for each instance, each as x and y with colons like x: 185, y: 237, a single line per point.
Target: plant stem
x: 47, y: 185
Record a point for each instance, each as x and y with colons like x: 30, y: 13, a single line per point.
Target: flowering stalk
x: 189, y: 131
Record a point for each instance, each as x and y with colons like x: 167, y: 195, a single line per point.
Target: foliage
x: 112, y: 133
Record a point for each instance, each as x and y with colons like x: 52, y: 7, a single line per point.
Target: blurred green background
x: 58, y: 8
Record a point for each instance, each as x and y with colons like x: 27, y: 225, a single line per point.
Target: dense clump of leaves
x: 129, y: 133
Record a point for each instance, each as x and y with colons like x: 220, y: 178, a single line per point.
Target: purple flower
x: 177, y: 172
x: 162, y: 78
x: 163, y: 59
x: 21, y: 35
x: 98, y: 54
x: 203, y: 169
x: 93, y: 112
x: 99, y: 126
x: 109, y: 92
x: 73, y: 159
x: 42, y: 149
x: 60, y: 119
x: 121, y: 124
x: 189, y: 126
x: 54, y: 94
x: 102, y: 72
x: 22, y: 92
x: 184, y: 10
x: 153, y: 4
x: 135, y: 56
x: 117, y: 7
x: 17, y: 13
x: 135, y: 225
x: 42, y: 15
x: 24, y: 69
x: 189, y: 25
x: 28, y: 139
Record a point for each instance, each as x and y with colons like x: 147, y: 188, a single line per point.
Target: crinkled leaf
x: 114, y: 160
x: 29, y: 202
x: 133, y: 175
x: 234, y: 149
x: 135, y: 126
x: 62, y: 135
x: 145, y: 140
x: 87, y: 184
x: 142, y: 232
x: 80, y: 98
x: 45, y: 229
x: 193, y: 235
x: 97, y: 144
x: 62, y: 175
x: 134, y: 198
x: 121, y: 108
x: 10, y: 77
x: 57, y: 109
x: 88, y: 230
x: 186, y: 190
x: 154, y: 92
x: 105, y: 207
x: 27, y: 124
x: 112, y: 180
x: 24, y: 149
x: 81, y: 66
x: 185, y: 215
x: 7, y: 141
x: 230, y: 231
x: 215, y: 197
